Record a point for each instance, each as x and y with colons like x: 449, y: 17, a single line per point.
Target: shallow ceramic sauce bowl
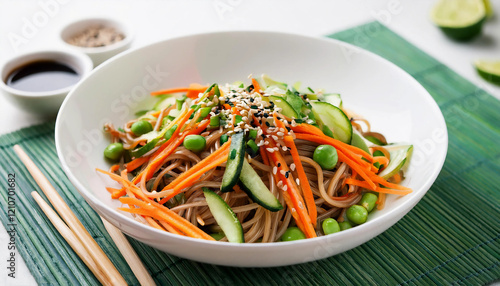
x: 393, y: 101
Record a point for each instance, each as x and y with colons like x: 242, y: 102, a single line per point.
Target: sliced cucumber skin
x: 234, y: 165
x: 251, y: 183
x: 335, y: 119
x: 334, y: 99
x: 399, y: 156
x: 358, y: 141
x: 286, y: 108
x: 224, y: 216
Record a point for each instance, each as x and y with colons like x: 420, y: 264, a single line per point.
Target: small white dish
x: 395, y: 103
x: 98, y: 54
x: 43, y: 103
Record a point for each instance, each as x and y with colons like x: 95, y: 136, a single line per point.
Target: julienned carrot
x: 346, y: 156
x: 309, y: 130
x: 161, y: 154
x: 169, y: 216
x: 363, y: 184
x: 160, y: 212
x: 170, y: 91
x: 192, y: 91
x: 396, y: 178
x: 304, y: 182
x: 136, y: 163
x: 195, y: 89
x: 381, y: 160
x: 256, y: 85
x: 114, y: 168
x: 286, y: 195
x: 188, y: 178
x: 297, y: 202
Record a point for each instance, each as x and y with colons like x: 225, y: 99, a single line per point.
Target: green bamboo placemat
x: 450, y: 237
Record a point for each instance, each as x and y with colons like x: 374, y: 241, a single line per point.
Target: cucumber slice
x: 399, y: 155
x: 224, y: 216
x: 294, y: 100
x: 334, y: 99
x: 234, y: 162
x: 251, y: 183
x: 359, y: 141
x: 286, y: 108
x: 164, y: 103
x: 335, y: 119
x: 270, y: 82
x: 144, y: 149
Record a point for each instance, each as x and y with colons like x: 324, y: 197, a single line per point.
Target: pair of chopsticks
x: 78, y: 237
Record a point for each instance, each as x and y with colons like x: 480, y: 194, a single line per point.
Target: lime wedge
x: 459, y: 19
x: 489, y: 70
x: 489, y: 8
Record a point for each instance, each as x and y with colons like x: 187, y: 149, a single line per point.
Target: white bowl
x: 43, y: 103
x: 392, y: 100
x: 98, y: 54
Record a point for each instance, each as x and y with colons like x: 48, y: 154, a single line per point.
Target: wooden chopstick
x: 70, y: 238
x: 133, y: 260
x: 71, y: 220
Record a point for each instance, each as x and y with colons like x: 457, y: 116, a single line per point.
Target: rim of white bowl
x: 401, y: 208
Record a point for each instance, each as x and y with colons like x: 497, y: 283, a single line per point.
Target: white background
x: 157, y: 20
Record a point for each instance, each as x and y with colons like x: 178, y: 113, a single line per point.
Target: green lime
x: 460, y: 19
x: 489, y: 8
x: 489, y: 70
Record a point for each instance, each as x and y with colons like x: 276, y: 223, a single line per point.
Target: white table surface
x: 156, y: 20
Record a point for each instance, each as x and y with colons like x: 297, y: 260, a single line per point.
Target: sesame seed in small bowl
x: 99, y: 38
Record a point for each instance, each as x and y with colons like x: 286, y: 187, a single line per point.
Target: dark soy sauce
x: 42, y: 76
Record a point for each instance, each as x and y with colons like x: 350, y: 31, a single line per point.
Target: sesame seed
x: 282, y: 172
x: 280, y: 184
x: 285, y: 148
x: 275, y: 137
x: 275, y: 170
x: 292, y: 166
x: 280, y: 134
x: 297, y: 181
x: 266, y: 143
x: 276, y: 149
x: 270, y: 150
x: 285, y: 187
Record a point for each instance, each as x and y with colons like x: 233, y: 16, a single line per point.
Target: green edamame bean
x: 141, y: 127
x: 293, y: 233
x: 368, y: 201
x: 344, y: 225
x: 170, y: 132
x: 113, y: 151
x: 357, y: 214
x: 195, y: 143
x: 330, y: 226
x: 326, y: 156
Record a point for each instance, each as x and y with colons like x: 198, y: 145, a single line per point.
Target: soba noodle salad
x: 252, y: 162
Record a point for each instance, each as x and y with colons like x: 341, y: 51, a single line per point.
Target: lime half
x: 489, y: 70
x: 460, y: 19
x: 489, y: 8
